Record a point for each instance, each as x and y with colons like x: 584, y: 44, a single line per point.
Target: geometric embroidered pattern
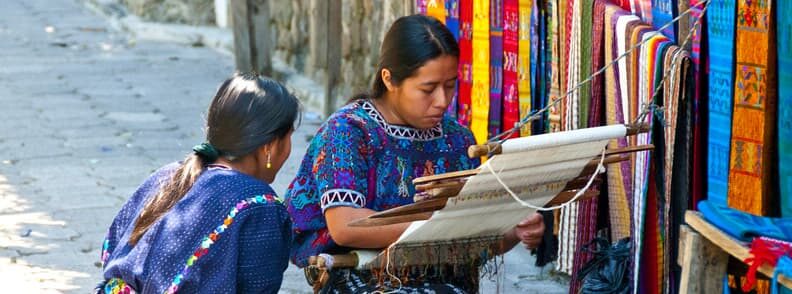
x: 335, y: 197
x: 401, y: 132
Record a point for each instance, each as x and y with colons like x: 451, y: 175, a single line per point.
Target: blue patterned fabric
x: 721, y: 26
x: 250, y: 256
x: 744, y: 226
x: 663, y: 12
x: 359, y: 160
x: 785, y: 102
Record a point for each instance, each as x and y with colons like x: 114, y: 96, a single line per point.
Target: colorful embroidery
x: 342, y: 196
x: 105, y: 250
x: 399, y: 131
x: 118, y: 286
x: 363, y: 164
x: 215, y: 235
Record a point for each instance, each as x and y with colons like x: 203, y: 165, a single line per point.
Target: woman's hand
x: 530, y: 231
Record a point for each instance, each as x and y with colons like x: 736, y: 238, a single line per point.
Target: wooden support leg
x: 703, y: 263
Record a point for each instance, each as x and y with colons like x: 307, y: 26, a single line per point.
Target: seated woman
x: 212, y: 223
x: 364, y: 158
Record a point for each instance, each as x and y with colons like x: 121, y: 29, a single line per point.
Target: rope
x: 600, y: 169
x: 533, y: 115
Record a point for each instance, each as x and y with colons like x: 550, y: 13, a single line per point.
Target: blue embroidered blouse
x: 228, y: 234
x: 359, y: 160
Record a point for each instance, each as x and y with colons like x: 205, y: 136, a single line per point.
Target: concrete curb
x: 310, y: 92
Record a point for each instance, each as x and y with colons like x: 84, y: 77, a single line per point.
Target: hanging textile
x: 580, y: 49
x: 465, y: 72
x: 553, y: 23
x: 524, y: 63
x: 584, y: 71
x: 663, y: 12
x: 617, y: 188
x: 753, y: 126
x: 511, y: 32
x: 496, y: 67
x: 452, y: 22
x: 543, y: 70
x: 785, y: 101
x: 436, y: 9
x: 720, y: 28
x: 597, y: 62
x: 480, y: 95
x: 420, y: 6
x: 699, y: 162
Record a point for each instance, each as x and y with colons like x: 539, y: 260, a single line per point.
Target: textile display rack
x: 705, y: 251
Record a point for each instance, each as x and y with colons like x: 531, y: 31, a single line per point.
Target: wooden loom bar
x: 494, y: 148
x: 420, y: 213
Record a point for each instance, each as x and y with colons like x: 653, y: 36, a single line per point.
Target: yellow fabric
x: 480, y: 94
x: 436, y: 9
x: 524, y: 63
x: 754, y: 97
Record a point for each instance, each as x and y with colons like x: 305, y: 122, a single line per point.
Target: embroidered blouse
x: 228, y: 234
x: 359, y: 160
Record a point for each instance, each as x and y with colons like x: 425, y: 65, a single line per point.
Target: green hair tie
x: 206, y: 151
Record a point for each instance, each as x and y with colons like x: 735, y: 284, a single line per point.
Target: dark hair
x: 247, y: 112
x: 409, y: 43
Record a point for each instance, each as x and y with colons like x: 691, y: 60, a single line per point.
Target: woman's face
x: 421, y: 100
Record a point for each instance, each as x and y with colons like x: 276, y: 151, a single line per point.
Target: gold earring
x: 269, y: 162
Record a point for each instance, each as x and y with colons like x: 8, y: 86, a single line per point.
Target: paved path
x: 86, y: 113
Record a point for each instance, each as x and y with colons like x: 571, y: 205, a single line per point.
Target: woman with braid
x: 212, y: 223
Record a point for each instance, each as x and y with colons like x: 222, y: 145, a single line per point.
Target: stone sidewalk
x: 86, y: 113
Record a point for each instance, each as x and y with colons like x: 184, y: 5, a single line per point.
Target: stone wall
x: 192, y: 12
x: 364, y: 25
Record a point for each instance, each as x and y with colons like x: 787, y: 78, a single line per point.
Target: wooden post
x: 703, y: 263
x: 333, y: 55
x: 252, y: 37
x: 317, y: 29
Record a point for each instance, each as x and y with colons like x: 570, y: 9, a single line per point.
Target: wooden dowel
x: 384, y: 221
x: 438, y: 193
x: 339, y: 261
x: 390, y: 219
x: 495, y: 148
x: 439, y: 184
x: 418, y: 207
x: 446, y: 176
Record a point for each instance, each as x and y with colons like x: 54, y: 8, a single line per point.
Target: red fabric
x: 763, y: 251
x: 511, y: 101
x: 465, y: 71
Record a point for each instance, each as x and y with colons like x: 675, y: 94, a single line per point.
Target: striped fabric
x: 553, y: 23
x: 617, y: 197
x: 597, y: 42
x: 754, y: 108
x: 720, y: 29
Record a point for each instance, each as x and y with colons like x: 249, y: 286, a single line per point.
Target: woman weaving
x: 364, y: 158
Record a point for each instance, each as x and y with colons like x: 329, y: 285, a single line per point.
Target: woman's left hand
x: 530, y: 230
